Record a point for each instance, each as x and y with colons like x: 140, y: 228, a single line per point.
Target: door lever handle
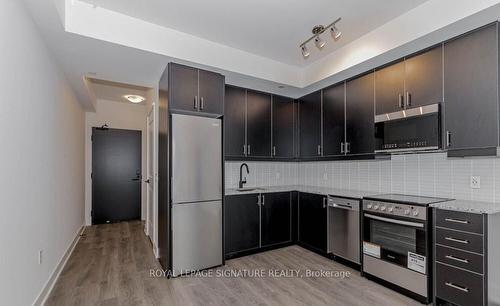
x: 147, y: 181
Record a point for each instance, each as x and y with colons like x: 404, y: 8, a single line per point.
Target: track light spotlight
x: 305, y: 51
x: 336, y: 34
x: 320, y: 43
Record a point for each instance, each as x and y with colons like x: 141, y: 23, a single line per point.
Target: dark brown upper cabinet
x: 283, y: 127
x: 235, y: 122
x: 360, y: 125
x: 390, y: 88
x: 415, y: 81
x: 310, y: 125
x: 424, y: 78
x: 334, y: 120
x: 193, y: 90
x: 258, y: 124
x: 471, y: 93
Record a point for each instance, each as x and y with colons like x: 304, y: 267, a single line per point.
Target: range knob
x: 415, y: 212
x: 390, y: 209
x: 369, y: 206
x: 407, y: 211
x: 375, y: 207
x: 382, y: 208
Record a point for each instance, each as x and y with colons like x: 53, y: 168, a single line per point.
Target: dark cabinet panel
x: 389, y: 84
x: 313, y: 221
x: 211, y: 92
x: 470, y: 90
x: 234, y: 121
x: 360, y: 126
x: 241, y: 220
x: 258, y: 124
x: 275, y: 218
x: 295, y: 216
x: 283, y: 127
x: 424, y: 78
x: 183, y: 87
x: 334, y: 120
x: 310, y: 125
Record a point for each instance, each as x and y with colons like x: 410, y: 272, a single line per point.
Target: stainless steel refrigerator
x: 196, y: 193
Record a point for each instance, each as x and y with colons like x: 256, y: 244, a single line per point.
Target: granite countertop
x: 470, y: 206
x: 347, y: 193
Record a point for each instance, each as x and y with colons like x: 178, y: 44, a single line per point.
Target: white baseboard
x: 49, y: 285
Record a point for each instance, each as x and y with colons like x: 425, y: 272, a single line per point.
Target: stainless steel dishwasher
x: 343, y: 228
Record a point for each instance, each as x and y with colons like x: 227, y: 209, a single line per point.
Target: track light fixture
x: 318, y: 41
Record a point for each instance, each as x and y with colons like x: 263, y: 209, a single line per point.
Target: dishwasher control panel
x: 344, y: 203
x: 396, y: 209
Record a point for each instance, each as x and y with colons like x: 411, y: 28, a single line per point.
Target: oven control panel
x: 396, y: 209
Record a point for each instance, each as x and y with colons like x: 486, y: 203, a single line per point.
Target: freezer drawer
x: 196, y: 159
x: 196, y: 236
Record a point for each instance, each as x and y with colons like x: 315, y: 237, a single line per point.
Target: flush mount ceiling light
x: 134, y: 98
x: 318, y: 41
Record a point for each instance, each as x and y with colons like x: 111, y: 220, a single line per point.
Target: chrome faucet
x: 242, y: 181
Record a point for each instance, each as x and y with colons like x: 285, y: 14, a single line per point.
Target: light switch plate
x: 475, y: 182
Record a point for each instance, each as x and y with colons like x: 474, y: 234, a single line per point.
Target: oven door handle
x: 401, y: 222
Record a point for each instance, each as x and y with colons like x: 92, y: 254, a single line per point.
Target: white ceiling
x: 113, y: 91
x: 269, y: 28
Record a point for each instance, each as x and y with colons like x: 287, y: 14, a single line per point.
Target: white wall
x: 431, y: 174
x: 117, y: 115
x: 41, y: 159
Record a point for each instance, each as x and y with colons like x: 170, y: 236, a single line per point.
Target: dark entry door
x: 116, y: 175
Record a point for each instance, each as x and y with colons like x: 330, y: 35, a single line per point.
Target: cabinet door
x: 310, y: 125
x: 360, y: 126
x: 424, y: 78
x: 313, y: 221
x: 283, y: 127
x: 275, y: 218
x: 211, y: 92
x: 234, y: 121
x: 470, y: 89
x: 241, y: 221
x: 258, y: 124
x: 183, y: 87
x: 389, y: 84
x: 333, y: 120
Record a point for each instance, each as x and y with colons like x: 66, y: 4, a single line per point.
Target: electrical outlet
x: 475, y: 182
x: 40, y: 253
x: 325, y: 176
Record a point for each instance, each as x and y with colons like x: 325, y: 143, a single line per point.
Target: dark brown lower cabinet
x: 313, y: 221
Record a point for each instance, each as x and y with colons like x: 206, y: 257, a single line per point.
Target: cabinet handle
x: 452, y: 285
x: 262, y: 199
x: 202, y: 105
x: 342, y: 147
x: 248, y: 149
x: 347, y: 147
x: 408, y: 98
x: 456, y: 221
x: 274, y: 150
x: 258, y: 199
x: 400, y: 101
x: 319, y: 149
x: 457, y: 259
x: 244, y: 150
x: 195, y: 105
x: 324, y: 202
x: 448, y: 138
x: 457, y: 240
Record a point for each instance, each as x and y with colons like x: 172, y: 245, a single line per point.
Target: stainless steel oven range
x: 397, y: 243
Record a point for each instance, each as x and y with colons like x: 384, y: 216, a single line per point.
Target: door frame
x: 150, y: 165
x: 90, y: 168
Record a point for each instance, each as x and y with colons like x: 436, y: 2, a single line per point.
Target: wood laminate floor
x: 111, y: 266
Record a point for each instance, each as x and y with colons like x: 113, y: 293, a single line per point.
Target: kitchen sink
x: 249, y: 189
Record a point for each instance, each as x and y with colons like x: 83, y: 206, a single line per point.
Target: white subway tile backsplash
x: 429, y: 174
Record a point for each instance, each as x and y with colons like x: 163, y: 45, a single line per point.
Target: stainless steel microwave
x: 414, y: 129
